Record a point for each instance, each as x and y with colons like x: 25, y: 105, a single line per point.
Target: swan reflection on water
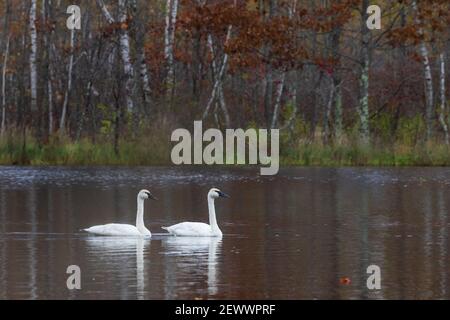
x: 116, y: 252
x: 190, y: 266
x: 192, y: 258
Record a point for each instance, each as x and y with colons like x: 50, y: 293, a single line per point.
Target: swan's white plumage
x: 126, y: 230
x: 115, y: 229
x: 198, y: 229
x: 190, y: 229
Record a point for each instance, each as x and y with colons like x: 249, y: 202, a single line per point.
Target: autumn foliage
x: 296, y: 65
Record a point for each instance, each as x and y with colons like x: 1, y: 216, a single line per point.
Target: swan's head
x: 145, y: 194
x: 216, y: 193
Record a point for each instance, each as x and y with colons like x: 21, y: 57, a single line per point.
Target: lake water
x: 307, y: 233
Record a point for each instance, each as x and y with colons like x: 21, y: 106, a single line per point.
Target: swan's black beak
x: 222, y: 194
x: 150, y: 196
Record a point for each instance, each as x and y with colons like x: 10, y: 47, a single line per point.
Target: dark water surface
x: 293, y: 236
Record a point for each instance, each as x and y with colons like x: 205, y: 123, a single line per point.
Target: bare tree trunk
x: 268, y: 79
x: 7, y: 38
x: 364, y: 102
x: 316, y: 82
x: 280, y: 85
x: 337, y: 96
x: 51, y: 126
x: 32, y: 58
x: 62, y: 122
x: 401, y: 53
x: 87, y: 98
x: 291, y: 119
x: 364, y: 77
x: 278, y: 94
x: 327, y: 116
x: 143, y: 74
x: 338, y: 112
x: 224, y: 108
x: 219, y: 74
x: 124, y: 49
x: 141, y: 57
x: 109, y: 18
x: 171, y: 19
x: 429, y: 92
x: 125, y: 54
x: 167, y: 31
x: 5, y: 63
x: 215, y: 87
x: 443, y: 97
x: 46, y: 16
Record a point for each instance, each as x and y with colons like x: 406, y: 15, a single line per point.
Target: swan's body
x: 198, y: 229
x: 192, y: 229
x: 118, y: 229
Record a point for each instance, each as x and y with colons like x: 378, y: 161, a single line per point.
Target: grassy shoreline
x: 155, y: 151
x: 353, y: 155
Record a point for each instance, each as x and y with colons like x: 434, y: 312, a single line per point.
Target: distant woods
x: 311, y: 68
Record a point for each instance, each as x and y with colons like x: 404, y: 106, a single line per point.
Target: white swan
x: 116, y: 229
x: 197, y: 229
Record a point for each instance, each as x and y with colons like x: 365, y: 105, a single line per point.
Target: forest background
x: 114, y: 90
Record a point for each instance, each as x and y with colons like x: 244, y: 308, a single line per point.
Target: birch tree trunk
x: 141, y: 56
x: 219, y: 74
x: 143, y: 74
x: 109, y: 18
x: 125, y: 54
x: 268, y: 88
x: 217, y: 91
x: 224, y: 108
x: 171, y: 19
x: 5, y: 63
x: 62, y: 122
x: 278, y: 94
x: 32, y: 58
x: 281, y: 83
x: 364, y: 77
x: 124, y: 47
x: 327, y: 116
x: 6, y: 35
x: 429, y: 92
x: 51, y: 126
x: 46, y: 16
x: 443, y: 98
x: 167, y: 31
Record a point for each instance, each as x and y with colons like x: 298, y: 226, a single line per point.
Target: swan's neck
x: 140, y: 215
x: 212, y: 216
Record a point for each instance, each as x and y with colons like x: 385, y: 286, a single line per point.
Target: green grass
x: 297, y: 148
x: 352, y: 155
x: 145, y: 150
x: 404, y: 147
x: 148, y: 151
